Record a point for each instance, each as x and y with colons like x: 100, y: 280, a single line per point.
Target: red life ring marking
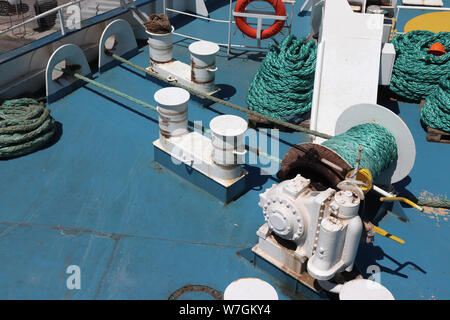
x: 241, y: 22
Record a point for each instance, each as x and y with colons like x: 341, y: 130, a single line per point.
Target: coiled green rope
x: 379, y: 147
x: 283, y: 86
x: 25, y: 126
x: 435, y: 113
x: 416, y: 73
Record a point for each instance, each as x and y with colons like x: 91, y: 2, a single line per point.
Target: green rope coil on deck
x: 416, y: 73
x: 25, y: 126
x: 435, y: 113
x: 379, y: 147
x: 283, y: 86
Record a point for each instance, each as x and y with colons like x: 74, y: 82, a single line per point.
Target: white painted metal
x: 178, y: 71
x: 160, y: 46
x: 250, y: 289
x: 292, y: 211
x: 230, y: 21
x: 194, y: 150
x: 173, y: 111
x: 384, y: 193
x: 26, y: 71
x: 349, y: 63
x: 364, y: 289
x: 373, y: 113
x: 338, y: 238
x: 123, y: 41
x: 259, y: 15
x: 203, y: 64
x: 228, y: 139
x: 348, y: 204
x: 72, y: 55
x: 324, y: 226
x: 387, y: 63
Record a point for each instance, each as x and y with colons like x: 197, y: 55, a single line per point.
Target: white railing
x: 47, y: 13
x: 230, y: 22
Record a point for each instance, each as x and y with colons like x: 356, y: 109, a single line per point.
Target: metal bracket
x: 259, y: 15
x: 118, y: 37
x: 71, y: 55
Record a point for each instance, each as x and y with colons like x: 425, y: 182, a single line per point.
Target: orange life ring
x: 241, y: 22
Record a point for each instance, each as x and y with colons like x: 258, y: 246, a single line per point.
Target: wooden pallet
x: 435, y: 135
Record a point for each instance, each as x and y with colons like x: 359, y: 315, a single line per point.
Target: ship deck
x: 97, y: 199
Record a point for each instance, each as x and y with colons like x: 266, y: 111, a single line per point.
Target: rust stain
x: 217, y: 295
x: 439, y: 214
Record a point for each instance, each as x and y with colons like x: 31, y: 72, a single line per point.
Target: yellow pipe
x: 412, y: 204
x: 386, y: 234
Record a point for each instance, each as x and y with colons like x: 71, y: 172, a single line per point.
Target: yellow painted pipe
x: 386, y: 234
x: 403, y: 199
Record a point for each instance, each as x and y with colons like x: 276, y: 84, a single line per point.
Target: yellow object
x: 364, y: 176
x: 412, y: 204
x: 386, y: 234
x: 434, y: 22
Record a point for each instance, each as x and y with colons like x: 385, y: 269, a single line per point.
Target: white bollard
x: 160, y: 46
x: 173, y: 111
x: 228, y: 140
x: 250, y: 289
x: 364, y: 289
x: 203, y: 64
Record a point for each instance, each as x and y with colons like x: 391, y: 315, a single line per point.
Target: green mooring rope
x: 416, y: 73
x: 435, y: 113
x: 438, y: 203
x: 379, y: 147
x: 25, y: 126
x: 283, y: 86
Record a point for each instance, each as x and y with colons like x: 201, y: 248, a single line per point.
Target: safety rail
x: 58, y: 9
x: 230, y: 21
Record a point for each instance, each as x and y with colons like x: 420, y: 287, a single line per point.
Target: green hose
x: 25, y: 126
x: 283, y: 86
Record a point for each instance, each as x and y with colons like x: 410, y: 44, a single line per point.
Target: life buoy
x: 241, y: 22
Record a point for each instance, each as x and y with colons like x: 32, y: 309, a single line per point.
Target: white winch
x: 323, y: 226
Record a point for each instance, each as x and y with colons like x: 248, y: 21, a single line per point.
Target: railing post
x: 229, y: 27
x: 61, y: 22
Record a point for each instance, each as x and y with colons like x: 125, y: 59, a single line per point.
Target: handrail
x: 42, y: 15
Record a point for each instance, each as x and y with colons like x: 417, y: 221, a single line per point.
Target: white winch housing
x: 324, y: 226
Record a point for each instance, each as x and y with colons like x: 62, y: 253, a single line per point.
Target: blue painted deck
x: 96, y: 199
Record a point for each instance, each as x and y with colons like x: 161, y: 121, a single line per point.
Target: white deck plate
x: 179, y: 72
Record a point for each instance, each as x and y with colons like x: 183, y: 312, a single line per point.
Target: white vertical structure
x: 348, y: 62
